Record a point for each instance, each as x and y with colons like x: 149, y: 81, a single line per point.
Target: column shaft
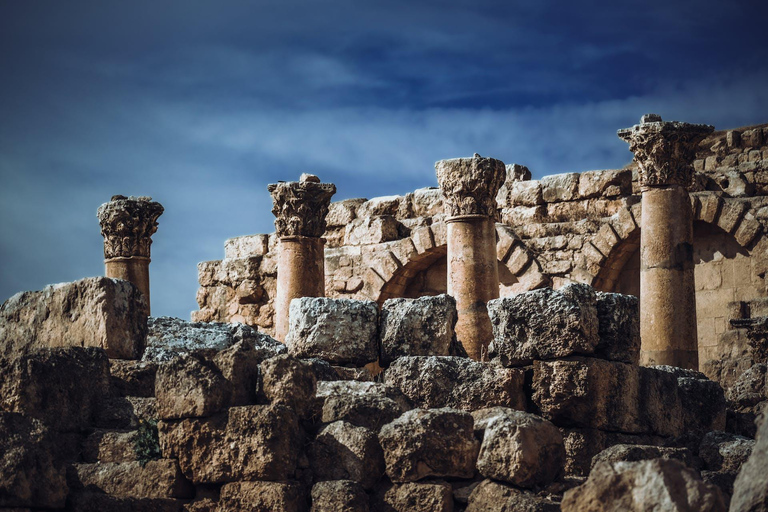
x: 473, y: 279
x: 667, y: 293
x: 135, y: 270
x: 300, y: 273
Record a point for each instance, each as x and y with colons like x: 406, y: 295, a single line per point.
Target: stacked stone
x: 732, y: 161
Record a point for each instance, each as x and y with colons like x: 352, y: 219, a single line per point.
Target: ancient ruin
x: 583, y: 342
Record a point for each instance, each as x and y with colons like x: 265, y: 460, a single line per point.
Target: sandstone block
x: 618, y: 327
x: 190, y: 387
x: 342, y: 451
x: 560, y: 187
x: 342, y: 331
x: 725, y: 452
x: 524, y: 193
x: 65, y: 388
x: 372, y: 230
x: 457, y: 382
x: 608, y: 183
x: 341, y: 213
x: 350, y: 391
x: 172, y: 337
x: 658, y: 484
x: 750, y: 491
x: 544, y: 324
x: 586, y: 392
x: 419, y: 327
x: 290, y: 382
x: 239, y: 365
x: 29, y: 475
x: 133, y: 378
x: 491, y: 496
x: 518, y: 447
x: 157, y: 479
x: 262, y: 497
x: 256, y: 442
x: 426, y: 496
x: 246, y: 246
x: 93, y: 312
x: 339, y: 496
x: 370, y: 411
x: 582, y: 445
x: 634, y: 453
x: 94, y: 501
x: 703, y: 400
x: 749, y: 389
x: 383, y: 205
x: 423, y: 202
x: 110, y: 446
x: 424, y: 443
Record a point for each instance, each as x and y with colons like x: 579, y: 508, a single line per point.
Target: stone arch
x: 397, y: 265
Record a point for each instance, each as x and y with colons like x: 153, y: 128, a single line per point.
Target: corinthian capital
x: 470, y: 185
x: 127, y: 225
x: 300, y: 206
x: 664, y: 151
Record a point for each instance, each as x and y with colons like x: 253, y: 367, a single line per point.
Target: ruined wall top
x: 664, y: 150
x: 300, y: 206
x: 470, y: 185
x: 127, y: 225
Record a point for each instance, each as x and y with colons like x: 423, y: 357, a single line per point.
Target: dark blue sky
x: 201, y: 104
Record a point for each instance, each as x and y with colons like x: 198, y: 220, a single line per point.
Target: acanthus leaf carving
x: 127, y: 225
x: 300, y: 207
x: 470, y: 185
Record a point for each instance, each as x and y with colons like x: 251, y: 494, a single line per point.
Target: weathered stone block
x: 419, y: 327
x: 156, y: 479
x: 582, y: 445
x: 65, y: 388
x: 342, y: 331
x: 372, y: 230
x: 190, y: 387
x: 262, y: 497
x: 339, y: 496
x: 341, y: 213
x: 635, y: 452
x: 524, y: 193
x: 370, y: 411
x: 703, y: 401
x: 435, y: 442
x: 608, y: 183
x: 29, y: 475
x: 290, y: 382
x: 133, y: 378
x: 518, y: 447
x: 750, y: 490
x: 586, y: 392
x: 246, y: 246
x: 725, y: 452
x: 544, y: 324
x: 249, y: 443
x: 618, y: 327
x: 239, y: 365
x: 425, y: 496
x: 457, y: 382
x: 342, y: 451
x: 560, y: 187
x: 659, y: 484
x: 110, y: 446
x: 494, y: 496
x: 93, y: 312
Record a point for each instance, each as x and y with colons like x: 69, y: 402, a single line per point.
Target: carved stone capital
x: 300, y: 206
x: 664, y: 150
x: 127, y: 225
x: 470, y: 185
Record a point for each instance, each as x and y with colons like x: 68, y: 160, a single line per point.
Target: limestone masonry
x: 583, y: 342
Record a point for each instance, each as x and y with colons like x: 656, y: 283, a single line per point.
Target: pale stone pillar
x: 664, y: 152
x: 469, y: 186
x: 300, y: 208
x: 127, y: 225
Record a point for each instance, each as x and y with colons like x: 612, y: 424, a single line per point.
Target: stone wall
x: 562, y: 229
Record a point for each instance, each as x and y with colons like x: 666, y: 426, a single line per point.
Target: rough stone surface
x: 750, y: 491
x: 492, y: 496
x: 424, y: 443
x: 703, y: 400
x: 172, y: 337
x: 518, y: 447
x: 239, y: 365
x: 29, y: 476
x: 93, y: 312
x: 582, y: 445
x: 339, y: 496
x: 470, y: 185
x: 658, y: 484
x: 127, y: 225
x: 340, y: 331
x: 249, y: 443
x: 133, y: 378
x: 370, y: 411
x: 419, y: 327
x: 618, y: 327
x: 157, y: 479
x: 262, y: 497
x: 457, y: 382
x: 190, y: 386
x: 425, y: 496
x: 300, y: 207
x: 110, y: 446
x: 342, y: 451
x: 65, y: 388
x: 544, y: 324
x: 290, y: 382
x: 634, y: 453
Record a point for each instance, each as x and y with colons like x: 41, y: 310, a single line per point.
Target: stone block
x: 607, y: 395
x: 255, y: 442
x: 725, y: 452
x: 370, y: 411
x: 610, y: 183
x: 94, y: 501
x: 419, y: 327
x: 93, y: 312
x: 544, y: 324
x: 424, y: 202
x: 425, y: 496
x: 29, y: 474
x: 435, y: 442
x: 703, y: 401
x: 750, y: 490
x: 525, y: 193
x: 371, y: 230
x: 133, y: 378
x: 65, y: 388
x: 342, y: 331
x: 748, y: 230
x: 290, y: 382
x: 342, y: 451
x: 156, y: 479
x: 246, y: 246
x: 618, y: 327
x: 560, y: 187
x: 191, y: 387
x: 752, y: 138
x: 339, y: 496
x: 457, y: 382
x: 638, y: 452
x: 262, y: 497
x: 495, y: 496
x: 384, y: 205
x: 731, y: 214
x: 239, y: 365
x: 518, y: 447
x: 422, y: 239
x: 582, y: 445
x: 659, y: 484
x: 341, y: 213
x: 110, y: 446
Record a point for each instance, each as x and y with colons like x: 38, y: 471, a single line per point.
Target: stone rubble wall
x: 565, y: 228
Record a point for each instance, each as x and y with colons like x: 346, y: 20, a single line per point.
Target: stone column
x: 127, y: 225
x: 300, y: 208
x: 664, y: 152
x: 469, y: 186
